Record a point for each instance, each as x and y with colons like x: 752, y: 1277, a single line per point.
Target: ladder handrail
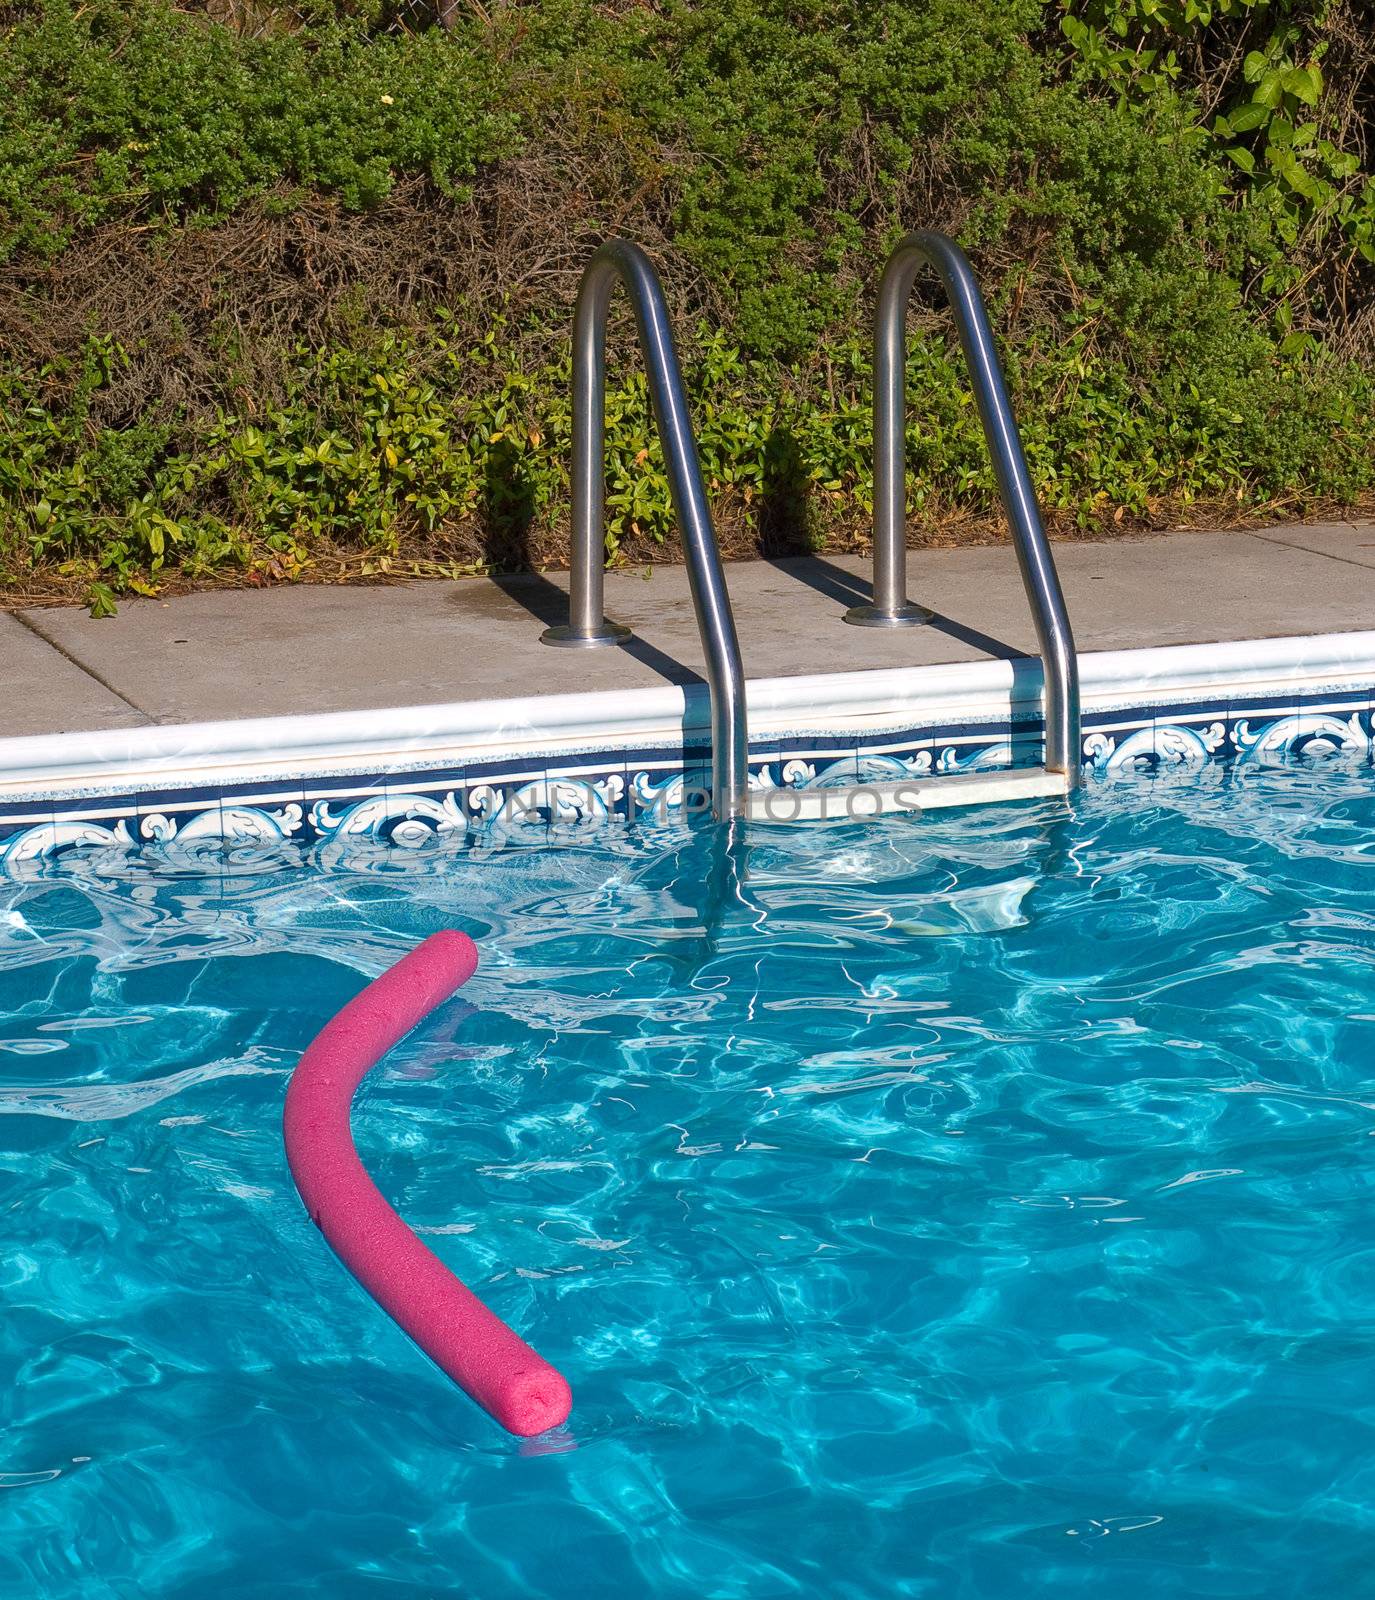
x: 621, y: 261
x: 891, y: 606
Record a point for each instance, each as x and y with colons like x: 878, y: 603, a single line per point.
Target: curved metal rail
x: 619, y: 260
x: 891, y: 607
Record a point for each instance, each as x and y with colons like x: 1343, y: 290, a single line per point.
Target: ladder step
x: 855, y: 802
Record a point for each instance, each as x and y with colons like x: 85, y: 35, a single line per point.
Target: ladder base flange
x: 907, y: 615
x: 566, y: 637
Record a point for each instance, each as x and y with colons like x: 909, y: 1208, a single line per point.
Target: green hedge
x: 115, y: 110
x: 1165, y: 201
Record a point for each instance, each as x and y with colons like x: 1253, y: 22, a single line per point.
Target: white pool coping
x: 859, y: 704
x: 842, y: 703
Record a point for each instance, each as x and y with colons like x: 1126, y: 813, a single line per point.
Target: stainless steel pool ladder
x: 890, y: 606
x: 587, y: 626
x: 619, y: 260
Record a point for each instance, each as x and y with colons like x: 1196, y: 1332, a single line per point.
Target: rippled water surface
x: 975, y: 1207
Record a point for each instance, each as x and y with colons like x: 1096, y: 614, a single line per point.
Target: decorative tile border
x: 496, y: 773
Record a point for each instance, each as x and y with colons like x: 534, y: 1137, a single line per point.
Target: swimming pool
x: 969, y: 1205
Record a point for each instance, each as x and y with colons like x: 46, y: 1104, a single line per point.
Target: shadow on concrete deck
x: 849, y: 590
x: 548, y: 605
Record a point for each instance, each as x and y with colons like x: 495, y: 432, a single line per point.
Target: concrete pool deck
x: 230, y: 654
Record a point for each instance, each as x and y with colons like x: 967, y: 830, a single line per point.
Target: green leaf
x: 1296, y: 344
x: 1304, y: 83
x: 1270, y: 91
x: 1248, y: 117
x: 1292, y: 170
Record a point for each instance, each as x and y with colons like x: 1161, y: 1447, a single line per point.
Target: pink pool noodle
x: 484, y: 1357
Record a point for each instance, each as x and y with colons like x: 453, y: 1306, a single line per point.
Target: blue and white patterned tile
x: 1334, y: 725
x: 761, y: 769
x: 1103, y: 733
x: 1261, y: 731
x: 187, y: 816
x: 271, y: 812
x: 421, y: 808
x: 1160, y: 739
x: 790, y: 769
x: 767, y: 762
x: 352, y: 807
x: 508, y: 804
x: 27, y: 833
x: 963, y: 753
x: 564, y: 805
x: 529, y: 799
x: 20, y: 816
x: 1267, y: 739
x: 878, y: 767
x: 1325, y: 723
x: 88, y: 824
x: 775, y: 774
x: 662, y: 787
x: 588, y: 796
x: 694, y: 803
x: 812, y: 763
x: 854, y: 770
x: 360, y: 826
x: 910, y: 753
x: 51, y: 841
x: 835, y: 771
x: 1027, y: 742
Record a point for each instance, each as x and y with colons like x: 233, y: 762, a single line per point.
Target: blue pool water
x: 969, y: 1207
